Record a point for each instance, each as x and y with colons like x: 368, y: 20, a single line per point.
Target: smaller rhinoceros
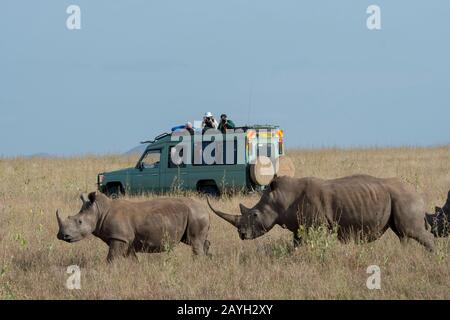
x: 439, y: 222
x: 130, y: 227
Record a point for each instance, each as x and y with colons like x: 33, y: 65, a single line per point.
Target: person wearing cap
x: 209, y: 122
x: 225, y: 123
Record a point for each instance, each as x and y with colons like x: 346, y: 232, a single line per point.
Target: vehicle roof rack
x: 258, y: 126
x: 159, y: 137
x: 162, y: 135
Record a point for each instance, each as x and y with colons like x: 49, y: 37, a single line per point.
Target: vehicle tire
x: 284, y: 166
x: 209, y: 190
x: 262, y: 171
x: 113, y: 191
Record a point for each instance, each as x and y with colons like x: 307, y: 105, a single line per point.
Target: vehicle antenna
x: 250, y: 96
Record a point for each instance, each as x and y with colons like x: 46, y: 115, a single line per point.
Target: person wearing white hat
x: 209, y: 122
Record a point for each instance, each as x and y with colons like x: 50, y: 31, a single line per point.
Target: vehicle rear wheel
x: 209, y: 190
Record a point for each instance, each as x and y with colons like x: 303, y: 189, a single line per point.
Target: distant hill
x: 136, y: 150
x: 40, y: 155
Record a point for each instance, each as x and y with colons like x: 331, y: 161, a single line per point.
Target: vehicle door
x: 176, y: 175
x: 148, y: 175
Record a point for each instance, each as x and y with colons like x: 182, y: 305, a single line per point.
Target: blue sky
x: 137, y: 68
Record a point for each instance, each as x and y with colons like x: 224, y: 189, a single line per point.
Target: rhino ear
x: 244, y: 209
x: 92, y: 196
x: 84, y: 198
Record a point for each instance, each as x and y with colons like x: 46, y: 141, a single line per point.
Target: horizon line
x: 297, y: 148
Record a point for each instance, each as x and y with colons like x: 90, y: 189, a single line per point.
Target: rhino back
x: 151, y: 222
x: 361, y: 202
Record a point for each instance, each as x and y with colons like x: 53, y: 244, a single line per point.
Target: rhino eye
x: 79, y: 221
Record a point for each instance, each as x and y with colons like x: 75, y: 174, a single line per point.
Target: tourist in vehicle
x: 189, y: 128
x: 209, y: 122
x: 225, y: 123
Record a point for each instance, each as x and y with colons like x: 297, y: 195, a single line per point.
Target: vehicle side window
x: 212, y: 154
x: 151, y: 159
x: 174, y: 155
x: 230, y: 154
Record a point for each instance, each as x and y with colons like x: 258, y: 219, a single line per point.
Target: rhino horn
x: 233, y: 219
x: 58, y: 218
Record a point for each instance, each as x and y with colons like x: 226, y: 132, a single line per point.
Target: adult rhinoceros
x: 361, y: 206
x: 130, y: 227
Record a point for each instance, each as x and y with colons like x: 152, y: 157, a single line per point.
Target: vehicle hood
x: 119, y: 172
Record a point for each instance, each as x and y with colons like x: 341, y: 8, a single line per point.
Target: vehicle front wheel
x: 113, y: 191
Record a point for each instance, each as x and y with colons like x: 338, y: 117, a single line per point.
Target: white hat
x: 208, y: 114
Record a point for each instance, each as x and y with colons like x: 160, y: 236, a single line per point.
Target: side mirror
x: 140, y: 166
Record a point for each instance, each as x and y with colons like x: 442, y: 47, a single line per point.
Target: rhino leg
x: 425, y: 238
x: 297, y: 240
x: 117, y: 249
x: 206, y: 245
x: 197, y: 247
x: 197, y: 235
x: 404, y: 240
x: 200, y: 246
x: 132, y: 254
x: 407, y: 219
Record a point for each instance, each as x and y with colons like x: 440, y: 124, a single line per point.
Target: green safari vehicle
x: 231, y: 164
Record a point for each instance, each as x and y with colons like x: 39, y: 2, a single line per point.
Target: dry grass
x: 33, y: 262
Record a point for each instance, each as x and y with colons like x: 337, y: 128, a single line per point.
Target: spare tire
x: 262, y: 171
x: 284, y: 166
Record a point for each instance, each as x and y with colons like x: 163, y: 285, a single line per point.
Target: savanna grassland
x: 33, y: 262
